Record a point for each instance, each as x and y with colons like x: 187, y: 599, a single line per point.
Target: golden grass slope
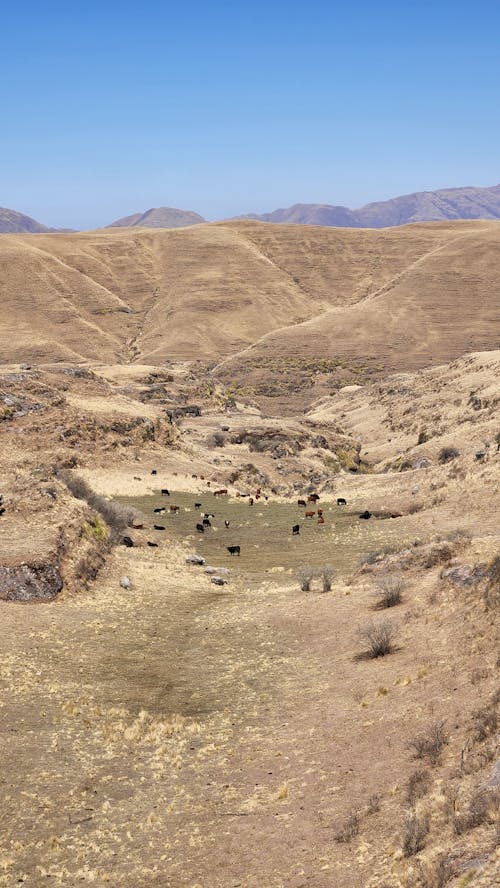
x: 214, y: 290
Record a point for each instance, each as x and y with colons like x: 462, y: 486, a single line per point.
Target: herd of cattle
x: 205, y: 523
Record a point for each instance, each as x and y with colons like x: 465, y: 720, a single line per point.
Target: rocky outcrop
x: 30, y: 582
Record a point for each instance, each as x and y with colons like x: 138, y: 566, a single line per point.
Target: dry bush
x: 349, y: 829
x: 390, y: 592
x: 416, y: 830
x: 116, y: 515
x: 216, y: 440
x: 484, y: 807
x: 486, y: 721
x: 429, y: 744
x: 446, y: 454
x: 380, y: 636
x: 418, y: 785
x: 373, y: 806
x: 327, y: 575
x: 492, y: 591
x: 305, y: 576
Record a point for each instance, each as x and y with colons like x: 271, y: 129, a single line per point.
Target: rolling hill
x: 250, y: 297
x: 12, y: 222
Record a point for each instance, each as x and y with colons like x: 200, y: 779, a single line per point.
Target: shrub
x: 485, y: 721
x: 380, y: 636
x: 216, y: 440
x: 430, y: 743
x: 484, y: 805
x: 327, y: 575
x: 305, y: 576
x: 390, y: 592
x: 418, y: 785
x: 446, y: 454
x: 416, y: 831
x: 116, y: 515
x: 349, y: 829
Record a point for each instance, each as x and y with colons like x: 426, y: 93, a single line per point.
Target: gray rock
x: 126, y: 583
x: 195, y: 559
x: 422, y: 463
x: 464, y: 574
x: 217, y: 570
x: 30, y: 582
x: 218, y: 581
x: 495, y: 777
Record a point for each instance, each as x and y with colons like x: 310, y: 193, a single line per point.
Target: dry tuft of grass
x: 418, y: 785
x: 390, y: 592
x: 430, y: 743
x: 416, y: 830
x: 349, y: 829
x: 305, y: 576
x: 380, y: 635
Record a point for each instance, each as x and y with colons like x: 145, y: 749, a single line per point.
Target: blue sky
x: 110, y: 108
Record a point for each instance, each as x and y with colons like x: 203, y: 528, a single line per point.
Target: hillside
x: 245, y: 291
x: 160, y: 217
x: 424, y: 206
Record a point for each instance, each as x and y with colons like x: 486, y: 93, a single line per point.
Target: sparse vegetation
x: 327, y: 575
x: 380, y: 636
x: 416, y: 830
x: 447, y: 454
x: 349, y: 829
x: 305, y: 576
x: 483, y: 807
x: 430, y: 743
x: 390, y: 592
x: 418, y: 785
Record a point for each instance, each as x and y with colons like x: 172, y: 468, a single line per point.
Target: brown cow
x: 174, y: 508
x: 310, y: 514
x: 301, y: 503
x: 220, y: 492
x: 320, y: 513
x: 321, y: 520
x: 313, y: 498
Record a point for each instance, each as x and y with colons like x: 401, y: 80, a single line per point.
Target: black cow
x: 366, y: 514
x: 200, y: 528
x: 208, y: 515
x: 341, y: 501
x: 128, y: 542
x: 206, y: 522
x: 159, y: 511
x: 165, y: 492
x: 226, y: 522
x: 158, y: 526
x: 233, y: 550
x: 197, y: 505
x: 153, y: 545
x: 154, y: 472
x: 296, y: 529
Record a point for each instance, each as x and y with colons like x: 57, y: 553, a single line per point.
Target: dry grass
x: 380, y: 635
x: 430, y: 743
x: 416, y: 830
x: 390, y: 592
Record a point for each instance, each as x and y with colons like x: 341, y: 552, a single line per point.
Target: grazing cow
x: 197, y: 505
x: 160, y: 511
x: 366, y: 514
x: 128, y: 542
x: 296, y: 529
x: 153, y: 545
x: 206, y: 522
x: 165, y: 492
x: 136, y: 478
x: 2, y: 510
x: 208, y: 515
x: 313, y: 498
x: 194, y: 476
x: 158, y: 527
x: 174, y: 508
x: 233, y: 550
x: 301, y: 503
x: 226, y: 522
x: 154, y: 472
x: 320, y: 513
x: 250, y: 501
x: 220, y: 492
x: 341, y: 501
x: 321, y: 520
x: 200, y: 528
x: 137, y: 526
x: 310, y: 514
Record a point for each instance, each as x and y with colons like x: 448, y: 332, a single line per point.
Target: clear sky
x: 112, y: 107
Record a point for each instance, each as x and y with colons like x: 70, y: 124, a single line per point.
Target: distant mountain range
x: 423, y: 206
x: 159, y: 217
